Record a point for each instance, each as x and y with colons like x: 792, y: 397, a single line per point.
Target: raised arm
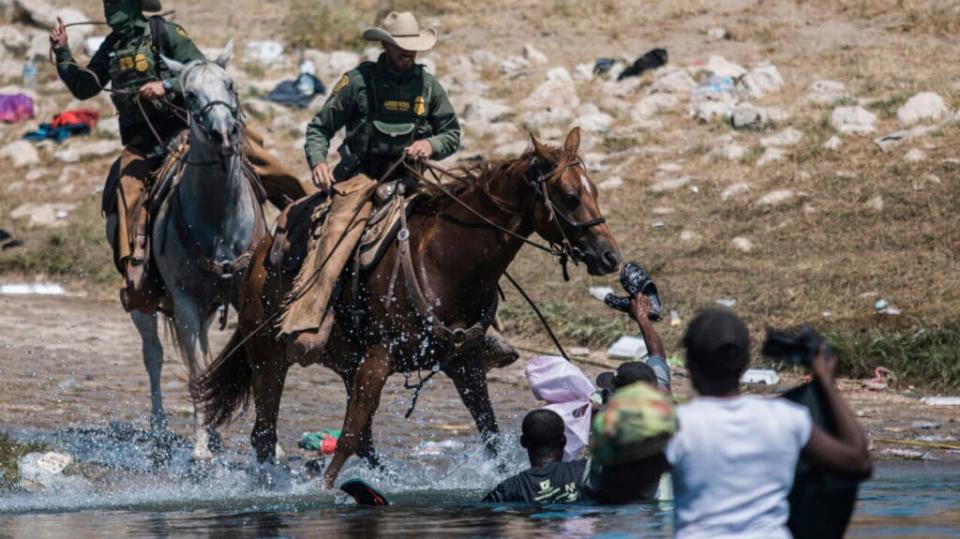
x: 846, y: 453
x: 83, y: 84
x: 640, y: 312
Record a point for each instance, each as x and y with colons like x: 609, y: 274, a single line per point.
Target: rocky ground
x: 795, y: 159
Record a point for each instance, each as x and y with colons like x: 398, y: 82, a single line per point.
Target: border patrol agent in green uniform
x: 129, y: 60
x: 388, y: 107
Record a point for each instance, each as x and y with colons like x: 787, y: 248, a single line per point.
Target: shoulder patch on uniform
x: 182, y: 32
x: 341, y: 84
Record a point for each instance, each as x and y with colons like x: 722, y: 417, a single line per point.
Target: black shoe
x: 635, y: 280
x: 4, y: 235
x: 12, y: 244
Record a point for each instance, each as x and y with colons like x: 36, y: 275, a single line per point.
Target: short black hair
x: 543, y: 429
x: 718, y: 347
x: 626, y: 374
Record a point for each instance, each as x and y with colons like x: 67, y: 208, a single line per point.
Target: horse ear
x: 572, y: 144
x: 175, y: 67
x: 226, y: 55
x: 538, y: 148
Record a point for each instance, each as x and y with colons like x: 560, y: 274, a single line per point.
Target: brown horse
x: 459, y: 257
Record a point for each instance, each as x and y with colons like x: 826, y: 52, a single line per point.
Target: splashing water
x: 434, y: 487
x: 131, y: 469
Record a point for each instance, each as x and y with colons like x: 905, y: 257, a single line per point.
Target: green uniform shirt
x: 128, y: 62
x: 349, y: 106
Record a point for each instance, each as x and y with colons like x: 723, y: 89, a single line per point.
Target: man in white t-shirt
x: 734, y: 456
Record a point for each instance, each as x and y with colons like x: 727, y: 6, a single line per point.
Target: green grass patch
x: 77, y: 251
x: 572, y: 325
x: 10, y: 454
x: 922, y: 356
x: 888, y: 107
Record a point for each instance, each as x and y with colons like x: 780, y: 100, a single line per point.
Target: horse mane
x: 466, y: 179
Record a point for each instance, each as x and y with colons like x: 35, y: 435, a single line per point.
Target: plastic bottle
x: 305, y: 80
x: 30, y: 72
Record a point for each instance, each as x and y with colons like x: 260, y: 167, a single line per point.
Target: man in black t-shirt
x: 549, y: 480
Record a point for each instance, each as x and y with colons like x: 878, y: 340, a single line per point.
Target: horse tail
x: 226, y: 385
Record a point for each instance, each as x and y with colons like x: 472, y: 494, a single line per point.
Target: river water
x: 432, y: 494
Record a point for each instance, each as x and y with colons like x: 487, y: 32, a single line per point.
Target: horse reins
x: 562, y: 252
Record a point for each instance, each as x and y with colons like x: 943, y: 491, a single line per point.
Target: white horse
x: 203, y: 231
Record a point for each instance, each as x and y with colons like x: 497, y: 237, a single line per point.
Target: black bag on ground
x: 821, y: 503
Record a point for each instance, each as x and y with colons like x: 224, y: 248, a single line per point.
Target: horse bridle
x: 201, y: 116
x: 540, y: 185
x: 537, y: 181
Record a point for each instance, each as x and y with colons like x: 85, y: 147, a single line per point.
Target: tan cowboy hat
x: 150, y: 5
x: 403, y: 30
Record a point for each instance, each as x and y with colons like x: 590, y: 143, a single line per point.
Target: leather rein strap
x: 456, y: 338
x: 564, y: 252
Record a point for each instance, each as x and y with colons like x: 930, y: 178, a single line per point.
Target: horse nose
x: 611, y: 260
x: 218, y: 138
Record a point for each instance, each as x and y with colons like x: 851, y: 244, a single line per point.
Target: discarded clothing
x: 67, y: 124
x: 88, y: 118
x: 297, y: 93
x: 324, y: 442
x: 603, y: 66
x: 14, y: 108
x: 564, y: 386
x: 59, y: 134
x: 7, y: 241
x: 651, y: 60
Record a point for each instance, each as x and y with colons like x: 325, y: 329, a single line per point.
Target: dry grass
x: 330, y: 24
x: 934, y: 16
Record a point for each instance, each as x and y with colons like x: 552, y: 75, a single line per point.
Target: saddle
x: 160, y: 185
x: 305, y: 219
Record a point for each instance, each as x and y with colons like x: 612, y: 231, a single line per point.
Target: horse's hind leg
x: 368, y: 384
x: 153, y: 360
x: 269, y: 377
x: 470, y: 378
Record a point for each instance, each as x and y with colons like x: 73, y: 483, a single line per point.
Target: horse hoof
x: 161, y: 448
x: 158, y: 424
x: 201, y: 455
x: 273, y: 476
x: 199, y: 470
x: 215, y: 442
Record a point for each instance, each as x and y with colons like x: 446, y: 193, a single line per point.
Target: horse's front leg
x: 191, y: 326
x: 366, y: 449
x: 364, y: 399
x: 153, y: 360
x: 469, y: 374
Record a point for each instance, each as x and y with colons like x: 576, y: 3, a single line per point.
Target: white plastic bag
x: 567, y: 391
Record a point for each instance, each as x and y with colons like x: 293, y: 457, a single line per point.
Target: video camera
x: 798, y: 347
